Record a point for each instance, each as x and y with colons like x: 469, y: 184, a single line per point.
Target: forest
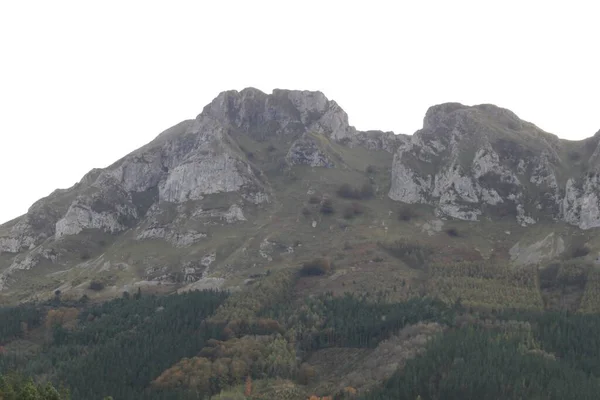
x: 263, y: 343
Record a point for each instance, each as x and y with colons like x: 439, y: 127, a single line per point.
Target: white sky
x: 83, y: 83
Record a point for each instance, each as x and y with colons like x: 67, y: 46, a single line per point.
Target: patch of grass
x: 414, y: 254
x: 590, y: 303
x: 265, y: 293
x: 485, y: 284
x: 573, y: 274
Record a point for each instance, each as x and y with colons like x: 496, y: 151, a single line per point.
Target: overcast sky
x: 83, y: 83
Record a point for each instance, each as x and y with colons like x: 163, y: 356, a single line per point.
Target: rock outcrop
x: 478, y: 161
x: 307, y: 151
x: 284, y: 112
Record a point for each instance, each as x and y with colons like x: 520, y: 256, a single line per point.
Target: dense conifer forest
x: 210, y: 344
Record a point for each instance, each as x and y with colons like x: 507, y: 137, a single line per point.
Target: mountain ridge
x: 210, y: 189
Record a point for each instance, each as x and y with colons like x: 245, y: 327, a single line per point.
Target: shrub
x: 305, y: 211
x: 406, y: 213
x: 348, y: 191
x: 414, y: 254
x: 370, y: 169
x: 327, y: 206
x: 452, y: 232
x: 306, y: 374
x: 271, y: 148
x: 96, y: 285
x: 350, y: 211
x: 314, y: 199
x: 318, y: 266
x: 367, y: 191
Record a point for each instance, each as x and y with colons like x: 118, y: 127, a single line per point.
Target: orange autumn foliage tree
x: 349, y: 390
x: 63, y: 316
x: 248, y: 389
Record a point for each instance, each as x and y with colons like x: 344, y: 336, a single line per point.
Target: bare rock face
x: 108, y: 208
x: 581, y: 204
x: 185, y: 163
x: 483, y: 160
x: 306, y: 151
x: 544, y: 250
x: 378, y: 140
x: 284, y: 112
x: 37, y: 225
x: 18, y: 237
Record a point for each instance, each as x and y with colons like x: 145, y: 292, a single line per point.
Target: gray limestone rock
x: 546, y: 249
x: 482, y: 160
x: 307, y: 151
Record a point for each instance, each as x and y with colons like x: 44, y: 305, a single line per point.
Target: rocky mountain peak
x: 281, y: 112
x: 437, y: 114
x: 483, y: 160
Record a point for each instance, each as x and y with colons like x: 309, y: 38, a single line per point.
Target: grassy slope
x: 287, y: 223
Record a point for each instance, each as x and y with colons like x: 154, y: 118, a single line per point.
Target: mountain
x: 357, y: 265
x: 244, y: 188
x: 182, y: 192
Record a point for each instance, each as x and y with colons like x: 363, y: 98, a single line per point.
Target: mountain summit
x: 246, y: 186
x: 484, y: 160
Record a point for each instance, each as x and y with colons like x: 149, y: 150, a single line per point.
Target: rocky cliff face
x: 483, y: 161
x: 183, y: 164
x: 188, y: 186
x: 158, y: 190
